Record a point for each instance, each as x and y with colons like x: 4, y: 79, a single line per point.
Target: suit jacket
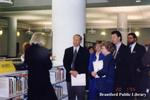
x: 81, y: 61
x: 105, y: 83
x: 39, y: 64
x: 121, y: 66
x: 135, y: 64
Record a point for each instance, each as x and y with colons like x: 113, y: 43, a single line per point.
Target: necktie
x: 130, y: 48
x: 115, y: 53
x: 74, y: 58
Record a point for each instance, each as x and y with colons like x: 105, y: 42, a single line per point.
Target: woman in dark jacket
x: 105, y: 83
x: 39, y: 64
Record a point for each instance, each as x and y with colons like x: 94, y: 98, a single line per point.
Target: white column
x: 12, y: 29
x: 68, y: 18
x: 122, y: 26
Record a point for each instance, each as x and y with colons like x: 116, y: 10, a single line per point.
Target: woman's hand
x: 93, y: 74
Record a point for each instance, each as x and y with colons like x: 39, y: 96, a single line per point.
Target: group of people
x: 113, y: 67
x: 121, y: 69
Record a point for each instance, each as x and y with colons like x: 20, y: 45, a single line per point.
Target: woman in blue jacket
x: 105, y: 82
x: 97, y: 56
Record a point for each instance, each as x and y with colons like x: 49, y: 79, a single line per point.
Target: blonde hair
x: 38, y: 38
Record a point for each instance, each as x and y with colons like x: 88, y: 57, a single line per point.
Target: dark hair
x: 78, y: 36
x: 117, y: 33
x: 90, y: 47
x: 108, y: 45
x: 98, y: 42
x: 133, y: 34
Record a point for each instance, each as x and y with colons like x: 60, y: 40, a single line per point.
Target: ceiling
x: 106, y: 17
x: 97, y: 17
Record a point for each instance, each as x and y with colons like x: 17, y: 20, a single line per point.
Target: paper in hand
x: 98, y: 65
x: 79, y: 80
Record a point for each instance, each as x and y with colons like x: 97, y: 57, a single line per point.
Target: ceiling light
x: 97, y: 1
x: 29, y: 32
x: 92, y: 31
x: 138, y: 1
x: 103, y: 33
x: 137, y: 33
x: 1, y: 32
x: 18, y: 33
x: 6, y: 2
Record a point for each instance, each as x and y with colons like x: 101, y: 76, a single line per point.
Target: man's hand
x: 93, y: 74
x: 74, y: 73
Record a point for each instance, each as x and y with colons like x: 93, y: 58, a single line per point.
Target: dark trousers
x: 75, y: 91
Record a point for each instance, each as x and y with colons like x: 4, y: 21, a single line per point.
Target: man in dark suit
x: 120, y: 56
x: 136, y: 52
x: 75, y: 62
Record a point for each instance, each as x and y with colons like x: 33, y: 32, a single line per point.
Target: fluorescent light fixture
x: 6, y: 2
x: 138, y: 1
x: 97, y: 1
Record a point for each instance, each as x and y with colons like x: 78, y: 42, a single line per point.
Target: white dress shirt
x: 76, y: 48
x: 132, y: 46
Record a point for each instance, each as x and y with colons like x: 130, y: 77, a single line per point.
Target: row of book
x: 20, y: 97
x: 57, y: 75
x: 13, y: 85
x: 58, y: 91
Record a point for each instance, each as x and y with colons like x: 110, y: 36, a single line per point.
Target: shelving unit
x: 59, y: 84
x: 57, y: 76
x: 13, y: 85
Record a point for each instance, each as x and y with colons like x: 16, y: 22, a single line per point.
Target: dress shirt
x: 76, y: 48
x: 117, y: 48
x: 132, y: 46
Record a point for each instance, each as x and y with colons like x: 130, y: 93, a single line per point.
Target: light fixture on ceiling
x: 18, y: 33
x: 97, y: 1
x: 1, y: 32
x: 138, y: 0
x: 6, y: 2
x: 137, y: 33
x: 29, y: 32
x: 103, y: 33
x: 92, y: 31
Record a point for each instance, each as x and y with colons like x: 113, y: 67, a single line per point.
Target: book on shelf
x: 57, y: 75
x: 13, y: 85
x: 59, y: 91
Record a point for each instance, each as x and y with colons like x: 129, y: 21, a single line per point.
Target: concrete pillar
x: 12, y: 29
x: 68, y: 18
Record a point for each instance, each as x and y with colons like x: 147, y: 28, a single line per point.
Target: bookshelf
x: 57, y: 77
x: 13, y: 85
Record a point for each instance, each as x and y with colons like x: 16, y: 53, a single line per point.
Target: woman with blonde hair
x: 95, y: 57
x: 39, y: 64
